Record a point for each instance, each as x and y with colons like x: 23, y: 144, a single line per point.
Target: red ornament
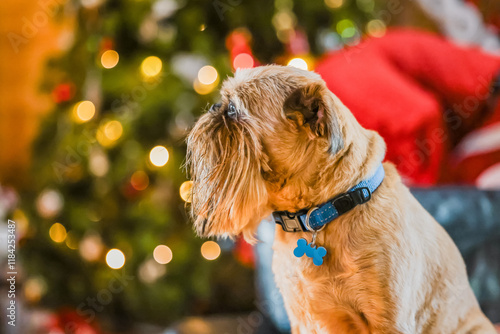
x: 63, y: 92
x: 243, y: 252
x: 238, y: 44
x: 129, y: 192
x: 106, y: 44
x: 67, y: 321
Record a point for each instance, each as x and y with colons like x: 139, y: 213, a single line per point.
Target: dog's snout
x: 215, y: 107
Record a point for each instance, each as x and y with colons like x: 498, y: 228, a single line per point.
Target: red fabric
x: 419, y: 91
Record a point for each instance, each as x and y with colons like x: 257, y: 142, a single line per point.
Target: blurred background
x: 96, y: 98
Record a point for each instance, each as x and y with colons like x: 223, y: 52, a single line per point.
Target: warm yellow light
x: 376, y: 28
x: 34, y: 289
x: 22, y: 222
x: 139, y: 180
x: 162, y: 254
x: 298, y: 63
x: 158, y: 156
x: 185, y: 191
x: 334, y: 3
x: 109, y: 132
x: 71, y: 240
x: 115, y: 258
x: 150, y: 271
x: 91, y: 247
x: 210, y: 250
x: 203, y: 89
x: 284, y: 20
x: 98, y: 163
x: 113, y: 130
x: 57, y: 232
x: 109, y: 59
x: 207, y: 75
x: 49, y: 203
x: 84, y: 111
x: 151, y: 66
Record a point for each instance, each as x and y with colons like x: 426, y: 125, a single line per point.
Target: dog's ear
x: 309, y: 107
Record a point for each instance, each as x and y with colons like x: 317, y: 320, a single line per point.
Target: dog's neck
x: 353, y: 164
x: 332, y: 174
x: 315, y: 218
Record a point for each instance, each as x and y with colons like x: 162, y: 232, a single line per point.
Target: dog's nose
x: 215, y: 107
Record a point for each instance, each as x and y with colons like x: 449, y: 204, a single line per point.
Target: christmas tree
x: 106, y: 231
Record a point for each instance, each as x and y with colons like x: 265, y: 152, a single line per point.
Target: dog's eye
x: 215, y: 107
x: 231, y: 110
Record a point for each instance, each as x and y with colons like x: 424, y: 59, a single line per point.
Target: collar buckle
x: 290, y: 222
x: 347, y: 201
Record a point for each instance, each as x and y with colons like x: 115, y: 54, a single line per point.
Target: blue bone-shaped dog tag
x: 316, y: 253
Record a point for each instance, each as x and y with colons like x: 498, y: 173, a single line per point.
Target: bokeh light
x: 57, y: 232
x: 98, y: 163
x: 185, y: 191
x: 298, y: 63
x: 159, y: 156
x: 139, y: 180
x: 22, y: 223
x: 113, y: 130
x: 376, y: 28
x: 109, y: 132
x: 34, y: 289
x: 284, y: 20
x: 71, y: 240
x: 109, y: 59
x: 91, y: 3
x: 334, y: 3
x: 243, y: 60
x: 150, y: 271
x: 84, y: 111
x: 115, y: 258
x: 210, y: 250
x: 203, y: 89
x: 162, y: 254
x: 151, y: 66
x: 207, y: 75
x: 91, y: 247
x: 49, y: 203
x: 346, y: 28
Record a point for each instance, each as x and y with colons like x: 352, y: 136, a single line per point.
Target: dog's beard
x: 224, y: 159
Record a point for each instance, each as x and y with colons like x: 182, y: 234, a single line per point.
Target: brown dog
x: 280, y: 140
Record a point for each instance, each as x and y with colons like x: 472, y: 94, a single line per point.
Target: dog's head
x: 259, y: 149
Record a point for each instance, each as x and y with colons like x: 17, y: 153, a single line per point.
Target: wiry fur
x: 390, y: 267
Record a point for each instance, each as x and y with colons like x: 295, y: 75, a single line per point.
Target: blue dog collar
x: 325, y: 213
